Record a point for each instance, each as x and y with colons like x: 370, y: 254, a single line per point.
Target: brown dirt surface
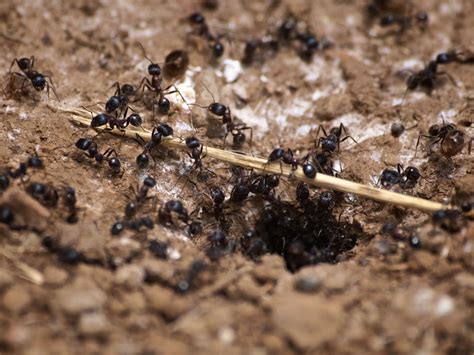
x: 376, y: 294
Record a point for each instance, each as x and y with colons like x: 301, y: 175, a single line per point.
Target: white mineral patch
x: 232, y: 70
x: 304, y: 130
x: 186, y: 88
x: 412, y: 64
x: 253, y: 119
x: 173, y: 254
x: 23, y: 115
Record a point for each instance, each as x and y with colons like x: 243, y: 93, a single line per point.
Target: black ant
x: 163, y: 130
x: 103, y: 119
x: 406, y: 178
x: 30, y: 76
x: 257, y: 48
x: 132, y: 207
x: 218, y: 198
x: 285, y: 156
x: 173, y: 212
x: 390, y: 13
x: 201, y: 29
x: 44, y: 193
x: 118, y: 103
x: 235, y: 129
x: 34, y: 162
x: 219, y: 245
x: 264, y: 184
x: 330, y: 142
x: 154, y: 85
x: 451, y: 139
x: 91, y: 150
x: 450, y: 220
x: 455, y: 56
x: 69, y: 198
x: 196, y: 154
x: 192, y: 274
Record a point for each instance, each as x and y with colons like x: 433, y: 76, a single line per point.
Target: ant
x: 69, y: 197
x: 30, y: 76
x: 192, y: 274
x: 257, y: 48
x: 455, y: 56
x: 132, y: 207
x: 91, y: 150
x: 235, y: 129
x: 173, y: 211
x: 218, y: 198
x: 201, y: 29
x: 163, y: 130
x: 330, y: 142
x: 44, y: 193
x: 219, y: 245
x: 393, y: 13
x: 285, y: 156
x: 34, y: 162
x: 103, y: 119
x: 196, y: 154
x: 406, y: 178
x: 450, y: 139
x: 154, y: 85
x: 263, y: 184
x: 118, y: 102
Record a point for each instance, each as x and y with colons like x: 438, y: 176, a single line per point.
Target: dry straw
x: 83, y: 117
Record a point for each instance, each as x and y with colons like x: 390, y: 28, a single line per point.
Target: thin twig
x: 325, y: 181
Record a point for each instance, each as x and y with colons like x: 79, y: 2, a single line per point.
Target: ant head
x: 196, y: 18
x: 99, y: 120
x: 422, y: 16
x: 38, y: 81
x: 127, y: 89
x: 217, y: 109
x: 217, y: 49
x: 135, y: 120
x: 434, y: 130
x: 164, y: 105
x: 387, y: 20
x: 149, y: 182
x: 412, y: 82
x: 329, y: 144
x: 239, y: 140
x: 24, y: 63
x: 165, y: 129
x: 217, y: 195
x: 192, y: 142
x: 112, y: 104
x: 154, y: 69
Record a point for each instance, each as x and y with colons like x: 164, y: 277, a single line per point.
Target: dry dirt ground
x: 381, y: 297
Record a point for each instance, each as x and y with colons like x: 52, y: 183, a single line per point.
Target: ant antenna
x: 207, y: 89
x: 144, y: 53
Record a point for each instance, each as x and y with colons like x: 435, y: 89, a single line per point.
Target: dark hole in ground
x: 303, y: 235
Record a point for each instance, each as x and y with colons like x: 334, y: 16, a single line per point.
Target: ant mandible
x: 30, y: 76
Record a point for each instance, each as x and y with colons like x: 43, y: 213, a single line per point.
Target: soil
x: 379, y: 296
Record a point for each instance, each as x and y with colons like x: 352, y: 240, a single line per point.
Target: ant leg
x: 51, y: 84
x: 347, y: 137
x: 450, y: 77
x: 418, y: 141
x: 117, y: 90
x: 32, y: 62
